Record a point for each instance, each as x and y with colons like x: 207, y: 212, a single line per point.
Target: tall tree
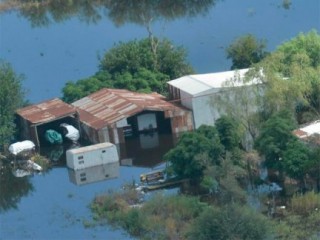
x: 273, y: 140
x: 133, y: 55
x: 296, y: 159
x: 245, y: 51
x: 11, y: 98
x: 228, y: 132
x: 131, y: 66
x: 241, y: 100
x: 291, y: 77
x: 194, y: 152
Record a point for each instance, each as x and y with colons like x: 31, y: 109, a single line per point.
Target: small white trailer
x: 93, y: 155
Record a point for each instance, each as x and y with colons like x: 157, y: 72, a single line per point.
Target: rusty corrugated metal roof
x: 46, y: 111
x: 108, y: 106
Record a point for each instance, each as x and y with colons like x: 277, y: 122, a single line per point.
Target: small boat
x: 163, y: 184
x: 152, y: 176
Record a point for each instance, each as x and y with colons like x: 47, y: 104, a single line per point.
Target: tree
x: 228, y: 132
x: 246, y: 51
x: 241, y: 100
x: 134, y: 55
x: 11, y: 98
x: 194, y: 152
x: 132, y: 66
x: 74, y: 91
x: 296, y: 158
x: 291, y: 77
x: 274, y: 136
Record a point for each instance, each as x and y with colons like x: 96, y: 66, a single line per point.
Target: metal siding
x: 108, y: 106
x: 93, y: 155
x: 46, y: 111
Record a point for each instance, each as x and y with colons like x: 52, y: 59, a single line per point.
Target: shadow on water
x: 146, y: 149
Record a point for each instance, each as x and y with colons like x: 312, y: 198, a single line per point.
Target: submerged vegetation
x: 215, y: 159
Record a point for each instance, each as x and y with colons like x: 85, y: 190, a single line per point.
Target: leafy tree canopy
x: 133, y: 66
x: 194, y: 152
x: 246, y: 51
x: 291, y: 74
x: 296, y: 158
x: 228, y: 132
x: 11, y: 98
x: 275, y: 133
x: 133, y: 55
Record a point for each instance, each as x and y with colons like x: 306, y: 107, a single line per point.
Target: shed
x: 35, y: 119
x: 93, y: 155
x: 107, y: 114
x: 197, y: 93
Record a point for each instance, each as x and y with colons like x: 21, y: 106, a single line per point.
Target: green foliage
x: 194, y: 152
x: 246, y: 51
x: 74, y: 91
x: 162, y: 217
x: 229, y: 222
x: 275, y: 133
x: 142, y: 81
x: 291, y: 74
x: 313, y: 165
x: 242, y: 104
x: 133, y: 66
x: 228, y: 132
x: 11, y: 98
x: 42, y: 161
x: 302, y: 221
x: 306, y: 204
x: 229, y: 176
x: 296, y: 158
x: 134, y: 55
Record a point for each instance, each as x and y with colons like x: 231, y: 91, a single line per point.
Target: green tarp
x: 53, y: 137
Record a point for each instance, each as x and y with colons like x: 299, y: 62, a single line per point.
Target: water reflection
x: 94, y: 174
x: 42, y: 13
x: 12, y: 188
x: 146, y: 150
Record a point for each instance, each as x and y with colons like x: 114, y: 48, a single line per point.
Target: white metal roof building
x: 196, y: 92
x: 309, y: 133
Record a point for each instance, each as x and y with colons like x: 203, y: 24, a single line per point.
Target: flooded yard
x: 55, y: 204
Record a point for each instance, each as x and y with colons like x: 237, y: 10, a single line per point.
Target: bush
x: 229, y: 222
x: 305, y: 204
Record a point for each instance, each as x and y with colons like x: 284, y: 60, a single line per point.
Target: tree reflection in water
x: 142, y: 12
x: 12, y: 188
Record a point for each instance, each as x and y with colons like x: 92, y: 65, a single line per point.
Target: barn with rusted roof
x: 35, y: 119
x: 109, y: 115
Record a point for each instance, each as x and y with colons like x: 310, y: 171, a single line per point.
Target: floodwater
x: 52, y: 205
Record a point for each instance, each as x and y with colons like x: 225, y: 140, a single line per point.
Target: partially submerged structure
x: 200, y: 92
x: 93, y: 155
x: 109, y: 115
x: 35, y: 120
